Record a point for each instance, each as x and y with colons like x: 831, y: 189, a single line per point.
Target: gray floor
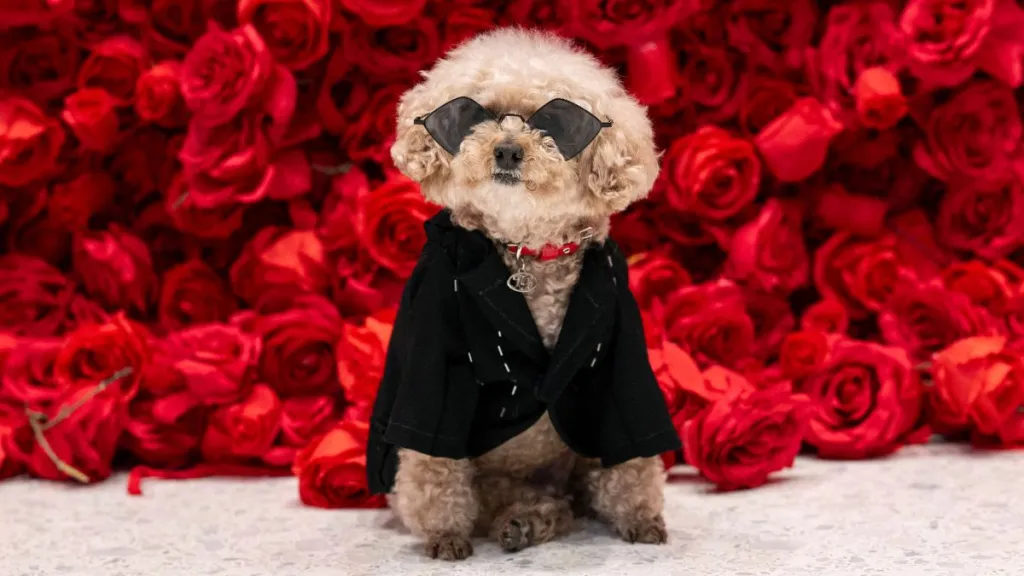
x: 938, y: 510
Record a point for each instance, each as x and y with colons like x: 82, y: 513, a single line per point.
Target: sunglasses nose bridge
x: 517, y: 121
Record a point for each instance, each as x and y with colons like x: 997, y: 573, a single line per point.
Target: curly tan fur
x: 521, y: 492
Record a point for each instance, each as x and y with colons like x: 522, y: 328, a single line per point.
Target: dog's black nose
x: 508, y: 155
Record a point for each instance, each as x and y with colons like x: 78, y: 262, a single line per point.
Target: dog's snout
x: 508, y: 155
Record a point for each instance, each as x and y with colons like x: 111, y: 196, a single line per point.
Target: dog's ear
x: 414, y: 152
x: 620, y: 166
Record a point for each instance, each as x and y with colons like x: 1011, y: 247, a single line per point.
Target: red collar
x: 547, y: 252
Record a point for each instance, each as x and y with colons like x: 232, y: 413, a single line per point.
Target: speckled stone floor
x: 936, y: 510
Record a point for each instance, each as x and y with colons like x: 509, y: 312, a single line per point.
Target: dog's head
x: 517, y: 95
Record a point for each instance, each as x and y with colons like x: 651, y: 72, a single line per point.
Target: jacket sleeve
x: 430, y: 393
x: 635, y: 422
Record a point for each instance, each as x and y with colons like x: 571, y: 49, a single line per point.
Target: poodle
x: 511, y: 181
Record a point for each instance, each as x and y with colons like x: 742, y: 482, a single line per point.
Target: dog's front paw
x: 646, y: 531
x: 449, y: 547
x: 515, y: 535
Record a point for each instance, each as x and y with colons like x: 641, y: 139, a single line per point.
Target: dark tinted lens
x: 571, y: 127
x: 452, y: 122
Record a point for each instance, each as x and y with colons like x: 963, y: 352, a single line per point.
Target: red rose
x: 653, y: 276
x: 996, y: 394
x: 1013, y: 317
x: 957, y: 372
x: 768, y: 253
x: 298, y: 349
x: 983, y: 218
x: 390, y: 224
x: 947, y: 40
x: 303, y: 418
x: 91, y: 115
x: 39, y: 64
x: 114, y: 66
x: 193, y: 293
x: 34, y: 12
x: 7, y: 343
x: 371, y: 133
x: 237, y: 161
x: 794, y: 145
x: 243, y: 430
x: 712, y: 174
x: 94, y: 353
x: 34, y: 296
x: 923, y: 319
x: 773, y: 32
x: 803, y: 353
x: 710, y: 321
x: 173, y: 26
x: 208, y: 223
x: 364, y: 287
x: 719, y: 383
x: 641, y: 28
x: 880, y: 100
x: 544, y: 14
x: 714, y: 77
x: 680, y: 380
x: 975, y: 135
x: 224, y: 72
x: 28, y: 373
x: 773, y: 320
x: 738, y: 443
x: 280, y: 259
x: 860, y: 214
x: 31, y: 231
x: 764, y: 98
x: 858, y: 37
x: 985, y: 286
x: 295, y: 30
x: 160, y: 378
x: 97, y: 20
x: 29, y: 142
x: 343, y: 93
x: 215, y: 360
x: 385, y: 12
x: 332, y: 469
x: 165, y: 430
x: 85, y: 440
x: 73, y: 204
x: 828, y: 316
x: 860, y: 273
x: 361, y: 352
x: 336, y: 227
x: 464, y: 22
x: 116, y: 268
x: 864, y: 400
x: 158, y: 96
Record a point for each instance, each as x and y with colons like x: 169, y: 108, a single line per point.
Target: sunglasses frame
x: 422, y: 120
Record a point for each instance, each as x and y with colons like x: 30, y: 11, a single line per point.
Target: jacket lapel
x: 591, y: 310
x: 504, y: 308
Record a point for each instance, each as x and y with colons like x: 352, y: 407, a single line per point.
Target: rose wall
x: 204, y: 237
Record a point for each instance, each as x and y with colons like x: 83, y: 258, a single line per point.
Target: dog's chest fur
x: 539, y: 452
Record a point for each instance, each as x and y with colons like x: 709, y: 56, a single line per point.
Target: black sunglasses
x: 571, y: 127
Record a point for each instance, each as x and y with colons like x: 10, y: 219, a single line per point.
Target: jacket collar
x: 480, y: 268
x: 592, y: 308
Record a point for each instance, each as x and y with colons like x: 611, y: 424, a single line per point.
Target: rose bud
x: 880, y: 101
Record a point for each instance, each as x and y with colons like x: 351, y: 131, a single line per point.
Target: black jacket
x: 466, y: 369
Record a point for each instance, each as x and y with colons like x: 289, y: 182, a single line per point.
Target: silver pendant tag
x: 522, y: 282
